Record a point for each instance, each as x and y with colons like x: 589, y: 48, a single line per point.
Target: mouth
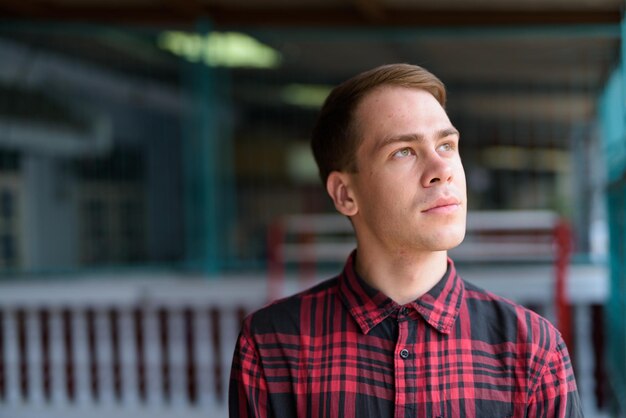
x: 443, y: 206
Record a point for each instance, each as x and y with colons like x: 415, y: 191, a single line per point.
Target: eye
x: 447, y: 146
x: 404, y: 152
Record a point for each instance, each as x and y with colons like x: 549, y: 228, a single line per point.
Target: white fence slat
x: 126, y: 331
x: 81, y: 356
x: 176, y: 341
x: 154, y: 377
x: 104, y: 354
x: 34, y: 358
x: 204, y: 354
x: 11, y: 364
x: 57, y: 369
x: 165, y: 356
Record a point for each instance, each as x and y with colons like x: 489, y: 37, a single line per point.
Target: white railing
x: 78, y: 349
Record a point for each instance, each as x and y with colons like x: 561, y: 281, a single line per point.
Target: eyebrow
x: 414, y: 137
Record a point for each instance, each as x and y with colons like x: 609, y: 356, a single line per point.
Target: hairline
x: 353, y: 129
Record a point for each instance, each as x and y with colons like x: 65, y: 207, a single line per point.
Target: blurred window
x: 6, y: 204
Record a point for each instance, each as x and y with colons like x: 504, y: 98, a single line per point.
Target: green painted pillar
x: 612, y: 115
x: 202, y: 165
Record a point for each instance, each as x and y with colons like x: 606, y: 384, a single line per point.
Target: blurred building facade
x: 130, y: 152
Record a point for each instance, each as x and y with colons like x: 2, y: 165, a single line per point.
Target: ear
x: 340, y: 191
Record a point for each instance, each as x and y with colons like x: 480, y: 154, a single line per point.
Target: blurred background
x: 156, y: 182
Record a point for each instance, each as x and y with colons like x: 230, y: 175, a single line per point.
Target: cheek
x: 380, y: 199
x: 459, y: 173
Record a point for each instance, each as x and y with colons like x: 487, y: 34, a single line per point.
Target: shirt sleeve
x: 247, y: 393
x: 556, y: 394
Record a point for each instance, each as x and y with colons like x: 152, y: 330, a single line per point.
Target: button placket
x: 405, y: 387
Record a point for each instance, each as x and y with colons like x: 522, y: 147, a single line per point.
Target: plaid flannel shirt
x: 343, y: 349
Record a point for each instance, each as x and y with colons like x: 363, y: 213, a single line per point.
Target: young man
x: 398, y: 333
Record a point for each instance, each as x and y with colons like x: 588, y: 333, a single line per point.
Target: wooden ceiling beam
x: 298, y: 18
x: 409, y: 18
x: 27, y: 8
x: 371, y: 10
x: 190, y: 8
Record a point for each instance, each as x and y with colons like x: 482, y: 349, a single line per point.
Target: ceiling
x: 320, y: 12
x: 541, y: 63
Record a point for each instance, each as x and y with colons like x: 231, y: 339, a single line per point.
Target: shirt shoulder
x: 498, y: 320
x: 283, y: 315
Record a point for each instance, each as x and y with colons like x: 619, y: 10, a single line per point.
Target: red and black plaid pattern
x: 343, y: 349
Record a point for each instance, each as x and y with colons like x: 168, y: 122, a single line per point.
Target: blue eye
x: 446, y: 147
x: 404, y: 152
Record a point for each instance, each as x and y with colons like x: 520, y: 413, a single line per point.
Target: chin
x: 449, y: 242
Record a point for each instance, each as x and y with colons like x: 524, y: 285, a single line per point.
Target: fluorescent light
x: 305, y: 95
x: 220, y: 49
x: 532, y: 159
x: 506, y: 157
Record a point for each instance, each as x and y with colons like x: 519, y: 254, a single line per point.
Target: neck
x: 403, y: 277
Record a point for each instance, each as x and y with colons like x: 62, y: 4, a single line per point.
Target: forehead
x: 391, y: 110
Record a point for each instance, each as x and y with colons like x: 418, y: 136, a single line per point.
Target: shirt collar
x: 439, y: 306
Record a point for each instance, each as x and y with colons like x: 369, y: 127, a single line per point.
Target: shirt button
x: 404, y: 311
x: 404, y: 353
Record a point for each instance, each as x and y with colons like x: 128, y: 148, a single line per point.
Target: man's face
x: 409, y: 187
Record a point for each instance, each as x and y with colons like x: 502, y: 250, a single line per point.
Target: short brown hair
x: 335, y: 139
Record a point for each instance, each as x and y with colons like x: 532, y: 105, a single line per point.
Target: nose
x: 437, y: 169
